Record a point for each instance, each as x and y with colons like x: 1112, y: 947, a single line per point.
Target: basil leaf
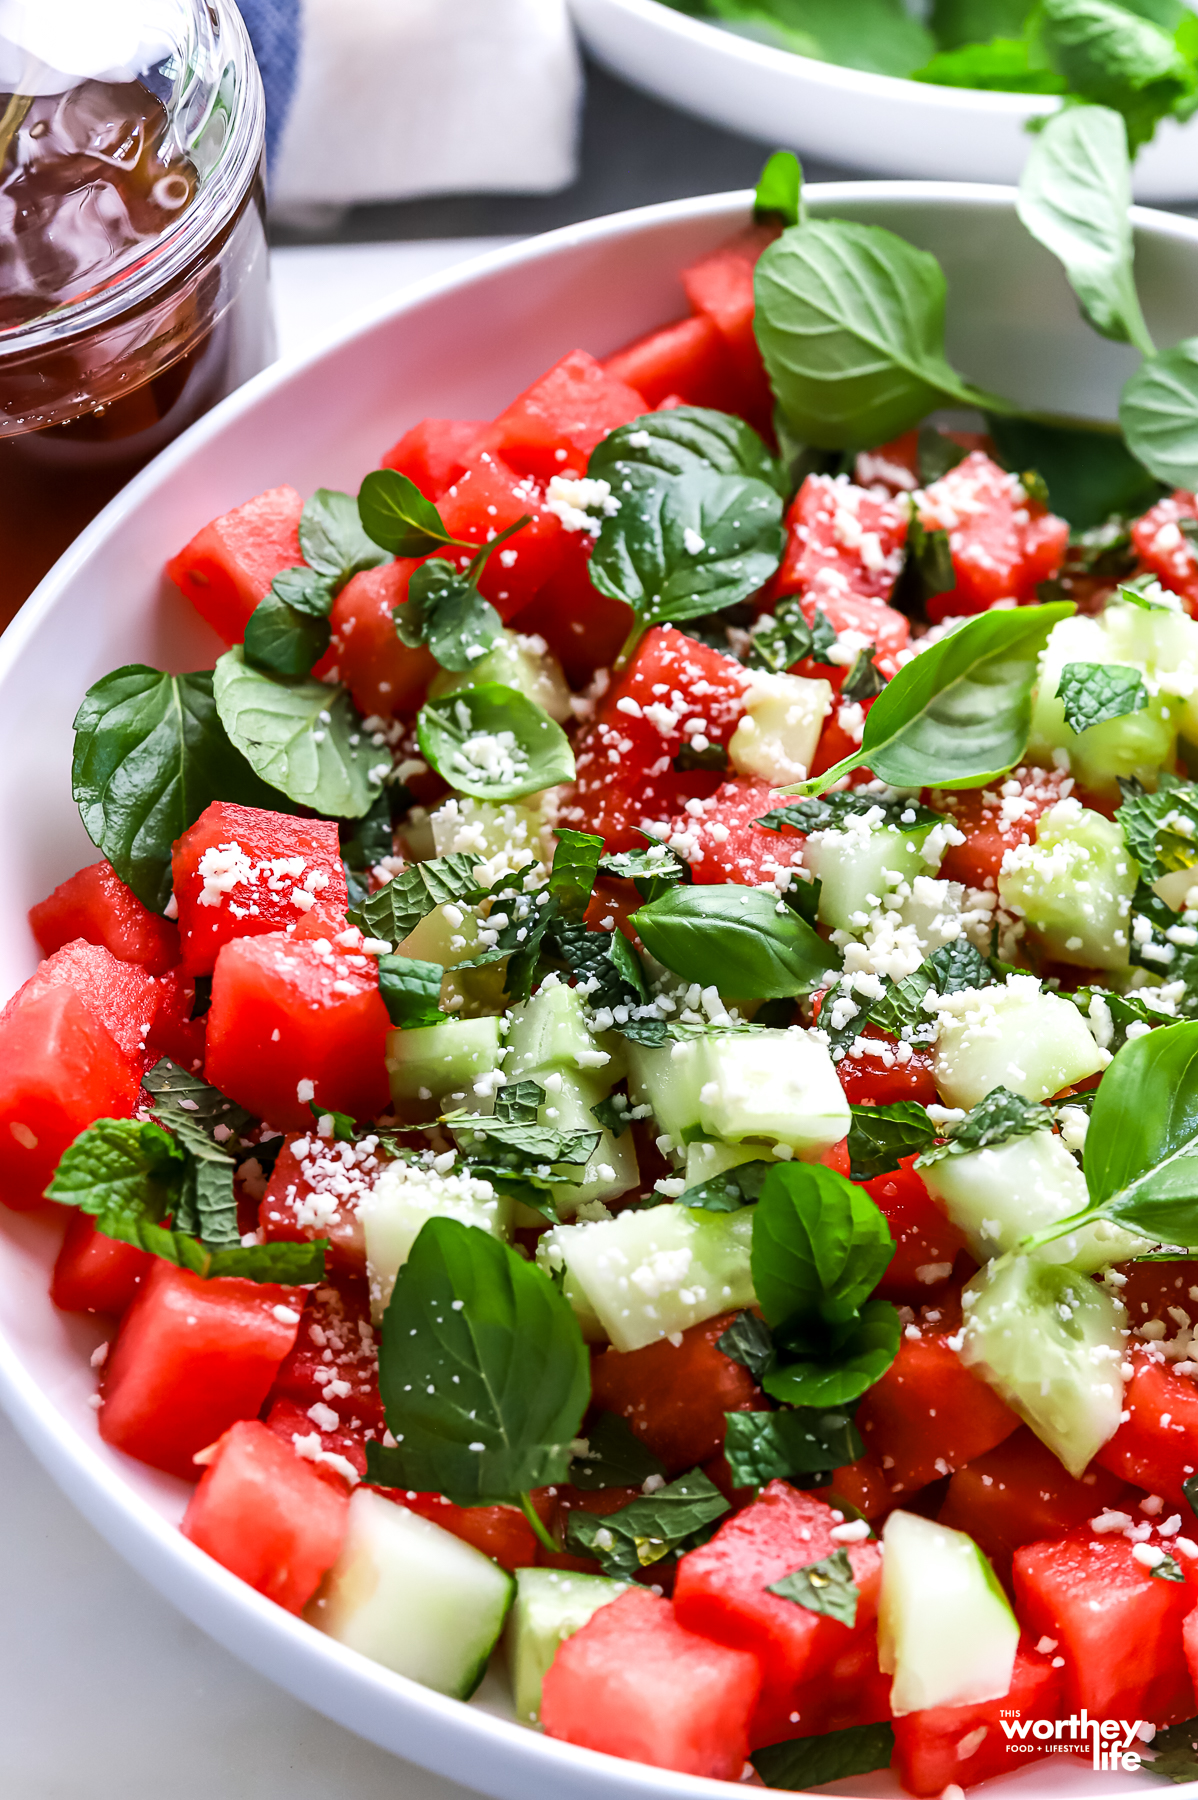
x: 841, y: 1367
x: 304, y: 591
x: 809, y: 1762
x: 1174, y: 1752
x: 493, y: 742
x: 777, y: 1446
x: 881, y: 1136
x: 824, y: 1587
x: 651, y: 871
x: 128, y: 1175
x: 279, y: 637
x: 1110, y: 56
x: 831, y: 812
x: 779, y: 190
x: 1141, y: 1157
x: 647, y: 1530
x: 1090, y: 471
x: 1075, y: 198
x: 683, y: 546
x: 518, y: 1142
x: 1092, y: 693
x: 850, y: 322
x: 576, y: 862
x: 748, y: 1341
x: 608, y: 970
x: 411, y: 991
x: 178, y: 1094
x: 820, y: 1246
x: 344, y: 1129
x: 445, y: 610
x: 483, y: 1398
x: 614, y: 1457
x: 729, y: 1191
x: 304, y: 737
x: 785, y: 638
x: 398, y: 907
x: 395, y: 514
x: 683, y: 441
x: 864, y: 680
x: 150, y: 755
x: 958, y: 714
x: 1158, y: 411
x: 1122, y: 1010
x: 936, y: 454
x: 927, y: 570
x: 1001, y: 1116
x: 741, y: 940
x: 1161, y: 829
x: 332, y: 539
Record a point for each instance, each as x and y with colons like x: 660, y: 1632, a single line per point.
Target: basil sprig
x: 444, y: 609
x: 741, y: 940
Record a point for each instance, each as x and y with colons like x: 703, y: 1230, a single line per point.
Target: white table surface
x: 108, y: 1691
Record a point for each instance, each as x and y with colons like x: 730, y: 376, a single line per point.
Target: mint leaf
x: 683, y: 441
x: 809, y: 1762
x: 304, y: 591
x: 493, y: 742
x: 395, y: 514
x: 1161, y: 829
x: 520, y: 1143
x: 180, y: 1095
x: 881, y: 1136
x: 519, y: 1102
x: 825, y: 1587
x: 1092, y: 693
x: 304, y: 737
x: 648, y: 1530
x: 782, y: 1446
x: 398, y: 907
x: 576, y: 863
x: 864, y: 680
x: 1122, y: 1009
x: 483, y: 1372
x: 785, y: 638
x: 332, y: 539
x: 831, y: 812
x: 650, y: 871
x: 729, y: 1191
x: 445, y: 610
x: 614, y: 1457
x: 608, y: 971
x: 150, y: 755
x: 741, y: 940
x: 950, y: 970
x: 410, y: 989
x: 779, y: 190
x: 1001, y: 1116
x: 1174, y: 1752
x: 959, y: 713
x: 1167, y: 1570
x: 748, y: 1341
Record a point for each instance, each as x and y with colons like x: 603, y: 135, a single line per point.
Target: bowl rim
x: 427, y: 1728
x: 707, y: 36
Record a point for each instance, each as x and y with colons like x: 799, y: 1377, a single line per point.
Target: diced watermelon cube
x: 435, y: 452
x: 864, y: 1487
x: 1163, y: 548
x: 1167, y: 1291
x: 191, y: 1358
x: 241, y: 871
x: 1156, y: 1446
x: 1117, y: 1626
x: 486, y: 499
x: 687, y: 363
x: 501, y: 1532
x: 926, y: 1245
x: 96, y: 904
x: 94, y: 1273
x: 844, y: 543
x: 228, y: 566
x: 817, y: 1673
x: 552, y: 427
x: 721, y: 288
x: 583, y: 628
x: 337, y: 1452
x: 122, y: 996
x: 722, y: 841
x: 894, y: 465
x: 869, y: 1080
x: 295, y: 1020
x: 60, y: 1069
x: 958, y: 1745
x: 175, y: 1033
x: 675, y: 1396
x: 266, y: 1516
x: 1018, y: 1493
x: 346, y: 1380
x: 1003, y: 543
x: 314, y: 1191
x: 384, y: 676
x: 929, y: 1414
x: 995, y: 820
x: 634, y: 1683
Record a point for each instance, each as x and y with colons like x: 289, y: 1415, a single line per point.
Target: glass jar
x: 133, y: 261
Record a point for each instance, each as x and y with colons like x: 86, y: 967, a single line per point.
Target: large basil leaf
x: 483, y: 1371
x: 494, y: 742
x: 150, y: 755
x: 1158, y: 411
x: 850, y: 321
x: 305, y: 737
x: 685, y: 439
x: 740, y: 940
x: 958, y: 714
x: 820, y: 1246
x: 1075, y: 197
x: 1141, y: 1155
x: 683, y: 546
x: 1114, y: 58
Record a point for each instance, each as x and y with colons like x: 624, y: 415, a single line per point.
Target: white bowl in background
x: 460, y: 344
x: 882, y: 124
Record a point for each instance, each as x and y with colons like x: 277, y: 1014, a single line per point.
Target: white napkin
x: 398, y: 98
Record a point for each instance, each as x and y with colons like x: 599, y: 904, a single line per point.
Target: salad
x: 628, y: 1074
x: 1139, y: 59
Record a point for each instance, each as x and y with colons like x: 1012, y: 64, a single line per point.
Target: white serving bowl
x: 461, y: 344
x: 879, y: 123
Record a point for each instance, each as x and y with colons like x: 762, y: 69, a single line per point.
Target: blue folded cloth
x: 274, y: 28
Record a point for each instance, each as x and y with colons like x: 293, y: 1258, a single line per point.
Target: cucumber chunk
x: 860, y: 866
x: 402, y: 1201
x: 946, y: 1631
x: 506, y: 835
x: 449, y: 936
x: 777, y: 737
x: 1052, y: 1343
x: 1138, y: 744
x: 550, y: 1606
x: 773, y: 1086
x: 413, y: 1597
x: 648, y: 1274
x: 1074, y: 886
x: 435, y: 1067
x: 1004, y: 1193
x: 524, y: 663
x: 1014, y: 1036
